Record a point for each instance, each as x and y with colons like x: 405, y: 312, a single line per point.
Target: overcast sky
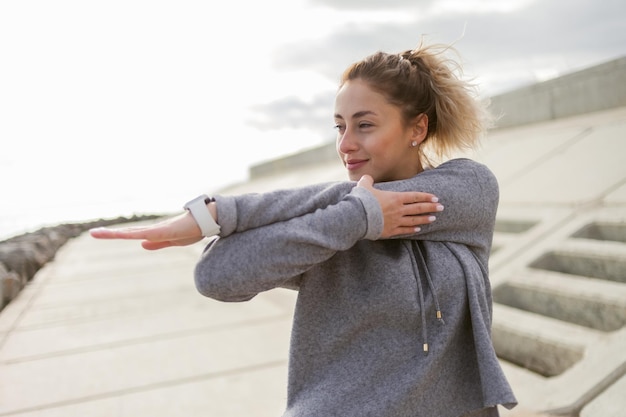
x: 107, y: 104
x: 505, y: 43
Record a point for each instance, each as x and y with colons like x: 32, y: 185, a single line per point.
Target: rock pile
x: 22, y: 256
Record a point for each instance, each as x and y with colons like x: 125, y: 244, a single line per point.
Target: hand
x: 403, y: 212
x: 181, y: 230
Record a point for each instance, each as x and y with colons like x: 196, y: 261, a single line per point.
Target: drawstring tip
x: 425, y: 347
x: 440, y: 317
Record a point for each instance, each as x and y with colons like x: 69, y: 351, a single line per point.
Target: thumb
x: 366, y: 181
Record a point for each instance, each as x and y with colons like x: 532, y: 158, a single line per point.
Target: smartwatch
x: 200, y: 213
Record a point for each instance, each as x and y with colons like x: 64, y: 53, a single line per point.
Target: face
x: 372, y: 137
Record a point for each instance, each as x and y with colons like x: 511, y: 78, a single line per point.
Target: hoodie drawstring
x: 421, y: 269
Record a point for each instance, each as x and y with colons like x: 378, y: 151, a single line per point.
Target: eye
x: 339, y: 127
x: 365, y: 125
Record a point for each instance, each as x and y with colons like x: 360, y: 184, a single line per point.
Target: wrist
x: 204, y: 212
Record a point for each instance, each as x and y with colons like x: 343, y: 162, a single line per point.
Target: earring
x: 414, y: 143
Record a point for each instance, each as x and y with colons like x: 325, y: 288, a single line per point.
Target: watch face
x: 200, y: 213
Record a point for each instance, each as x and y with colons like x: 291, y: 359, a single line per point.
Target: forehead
x: 357, y: 96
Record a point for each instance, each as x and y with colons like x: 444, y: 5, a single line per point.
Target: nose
x: 346, y: 142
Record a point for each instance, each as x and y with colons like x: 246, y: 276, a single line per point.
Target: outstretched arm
x: 249, y: 211
x: 403, y: 213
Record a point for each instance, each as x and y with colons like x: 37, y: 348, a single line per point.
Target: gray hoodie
x: 395, y: 327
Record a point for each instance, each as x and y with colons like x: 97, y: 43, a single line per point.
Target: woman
x: 393, y: 313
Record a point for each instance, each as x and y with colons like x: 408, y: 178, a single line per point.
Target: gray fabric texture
x: 366, y: 307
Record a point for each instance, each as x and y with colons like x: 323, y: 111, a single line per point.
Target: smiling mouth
x: 354, y: 164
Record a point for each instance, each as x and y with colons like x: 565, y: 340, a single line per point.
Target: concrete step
x: 587, y: 257
x: 508, y: 230
x: 541, y: 344
x: 593, y: 303
x: 601, y: 365
x: 606, y: 231
x: 560, y: 307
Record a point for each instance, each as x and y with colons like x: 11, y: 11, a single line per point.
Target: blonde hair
x: 425, y: 81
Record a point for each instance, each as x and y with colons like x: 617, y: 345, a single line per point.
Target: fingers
x: 420, y: 214
x: 125, y: 233
x: 104, y: 233
x: 174, y: 229
x: 419, y: 210
x: 403, y: 197
x: 366, y: 181
x: 418, y: 197
x: 416, y: 221
x: 409, y: 226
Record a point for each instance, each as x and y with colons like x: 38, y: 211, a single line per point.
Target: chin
x: 354, y: 176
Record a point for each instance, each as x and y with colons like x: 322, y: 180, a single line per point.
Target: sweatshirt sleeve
x: 241, y: 265
x: 249, y: 211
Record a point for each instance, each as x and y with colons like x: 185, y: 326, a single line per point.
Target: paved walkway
x: 109, y: 329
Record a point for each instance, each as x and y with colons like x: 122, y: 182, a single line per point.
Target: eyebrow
x: 357, y: 114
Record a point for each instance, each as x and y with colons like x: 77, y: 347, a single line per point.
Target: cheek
x: 386, y: 147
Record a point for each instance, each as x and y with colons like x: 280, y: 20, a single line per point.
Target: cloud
x: 571, y: 29
x: 503, y: 50
x: 294, y: 112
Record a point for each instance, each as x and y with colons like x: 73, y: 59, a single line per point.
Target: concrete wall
x: 593, y: 89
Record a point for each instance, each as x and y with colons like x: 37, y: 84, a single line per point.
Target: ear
x: 419, y: 127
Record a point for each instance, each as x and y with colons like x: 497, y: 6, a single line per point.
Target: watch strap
x: 200, y: 212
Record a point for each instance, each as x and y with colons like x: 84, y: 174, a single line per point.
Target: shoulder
x: 460, y: 167
x: 470, y: 170
x: 465, y: 164
x: 456, y: 177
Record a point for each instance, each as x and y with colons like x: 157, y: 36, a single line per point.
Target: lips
x: 354, y: 164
